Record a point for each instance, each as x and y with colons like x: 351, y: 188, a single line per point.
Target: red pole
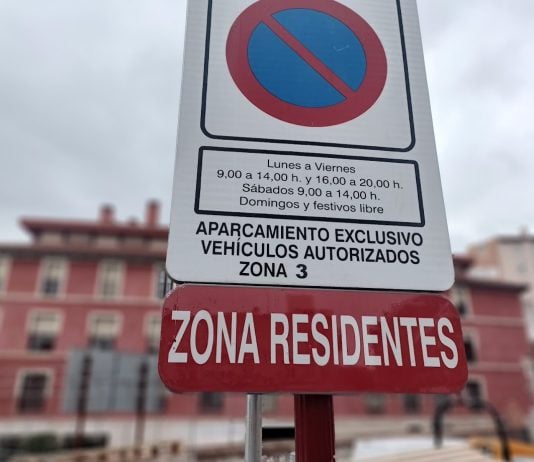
x: 314, y: 428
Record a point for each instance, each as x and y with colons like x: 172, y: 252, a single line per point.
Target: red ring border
x: 361, y: 101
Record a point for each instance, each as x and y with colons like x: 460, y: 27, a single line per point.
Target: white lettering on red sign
x: 339, y: 340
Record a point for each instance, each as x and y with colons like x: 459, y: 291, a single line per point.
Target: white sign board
x: 306, y: 154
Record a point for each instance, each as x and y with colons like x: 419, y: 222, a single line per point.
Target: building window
x: 111, y: 273
x: 32, y: 397
x: 470, y: 351
x: 375, y: 403
x: 164, y: 283
x: 52, y: 276
x: 460, y: 298
x: 412, y: 404
x: 473, y: 391
x: 153, y: 329
x: 269, y: 403
x: 211, y: 402
x: 44, y: 328
x: 442, y: 399
x: 4, y: 269
x: 103, y: 330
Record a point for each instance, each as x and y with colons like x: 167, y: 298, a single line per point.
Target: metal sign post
x: 253, y: 428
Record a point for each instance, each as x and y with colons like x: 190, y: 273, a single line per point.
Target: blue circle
x: 286, y: 75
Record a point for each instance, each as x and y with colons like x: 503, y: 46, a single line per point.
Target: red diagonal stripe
x: 308, y: 56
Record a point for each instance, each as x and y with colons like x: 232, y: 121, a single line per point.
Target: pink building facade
x: 96, y: 287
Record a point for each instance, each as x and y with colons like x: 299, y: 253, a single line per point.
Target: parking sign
x: 306, y: 154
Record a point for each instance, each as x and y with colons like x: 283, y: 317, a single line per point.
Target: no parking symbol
x: 313, y: 63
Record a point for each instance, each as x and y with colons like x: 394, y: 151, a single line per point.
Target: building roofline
x: 135, y: 252
x: 38, y: 225
x: 491, y: 284
x: 504, y: 239
x: 515, y: 239
x: 462, y: 261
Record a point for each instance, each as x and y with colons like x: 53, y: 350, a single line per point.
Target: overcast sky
x: 89, y: 102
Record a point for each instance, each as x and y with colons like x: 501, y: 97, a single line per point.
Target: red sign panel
x: 309, y: 341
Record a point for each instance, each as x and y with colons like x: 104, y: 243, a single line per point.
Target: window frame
x: 461, y: 294
x: 100, y: 282
x: 89, y: 331
x: 147, y: 331
x: 203, y: 408
x: 269, y: 403
x: 373, y: 408
x: 471, y: 338
x: 160, y: 282
x: 62, y: 277
x: 481, y: 382
x: 47, y: 390
x: 5, y: 271
x: 418, y: 404
x: 29, y: 321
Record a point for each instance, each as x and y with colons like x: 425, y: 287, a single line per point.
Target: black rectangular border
x: 308, y: 143
x: 198, y: 211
